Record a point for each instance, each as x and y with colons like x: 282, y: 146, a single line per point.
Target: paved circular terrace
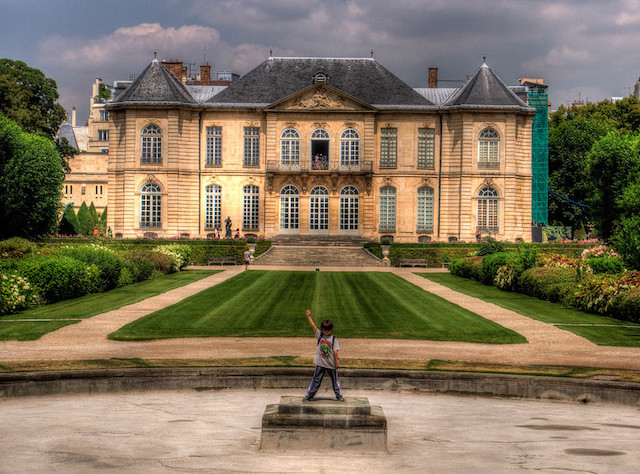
x: 219, y: 431
x: 547, y: 345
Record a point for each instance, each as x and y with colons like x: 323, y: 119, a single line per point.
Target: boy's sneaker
x: 306, y: 399
x: 340, y: 398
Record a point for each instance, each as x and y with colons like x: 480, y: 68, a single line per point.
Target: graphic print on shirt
x: 325, y: 348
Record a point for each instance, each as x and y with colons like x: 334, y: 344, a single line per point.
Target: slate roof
x: 203, y: 93
x: 66, y: 131
x: 155, y: 86
x: 437, y: 95
x: 278, y: 78
x: 485, y: 90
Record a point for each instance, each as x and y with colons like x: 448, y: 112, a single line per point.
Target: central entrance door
x: 289, y: 210
x: 319, y: 211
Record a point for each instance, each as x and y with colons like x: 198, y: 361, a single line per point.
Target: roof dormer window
x: 320, y: 78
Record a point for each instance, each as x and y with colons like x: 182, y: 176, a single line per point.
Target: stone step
x: 318, y: 240
x: 311, y: 256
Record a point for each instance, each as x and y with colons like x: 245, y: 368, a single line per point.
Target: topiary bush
x: 492, y: 262
x: 606, y: 265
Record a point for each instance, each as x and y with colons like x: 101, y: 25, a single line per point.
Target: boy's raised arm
x: 313, y: 325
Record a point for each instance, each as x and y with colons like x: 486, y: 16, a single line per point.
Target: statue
x: 227, y: 226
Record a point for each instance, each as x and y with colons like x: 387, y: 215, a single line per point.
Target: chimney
x: 73, y: 117
x: 174, y: 67
x: 433, y: 78
x: 205, y: 74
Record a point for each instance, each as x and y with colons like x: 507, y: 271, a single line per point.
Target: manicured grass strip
x: 534, y: 308
x: 97, y: 303
x: 625, y: 336
x: 29, y: 330
x: 273, y: 303
x: 600, y: 330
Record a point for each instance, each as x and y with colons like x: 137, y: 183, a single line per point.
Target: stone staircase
x: 317, y: 251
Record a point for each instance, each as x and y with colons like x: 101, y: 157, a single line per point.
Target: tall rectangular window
x: 104, y: 115
x: 214, y: 146
x: 389, y: 148
x: 251, y: 147
x: 250, y: 208
x: 387, y: 209
x: 212, y: 213
x: 426, y: 147
x: 103, y: 135
x: 425, y: 210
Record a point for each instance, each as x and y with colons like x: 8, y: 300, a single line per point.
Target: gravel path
x: 547, y: 345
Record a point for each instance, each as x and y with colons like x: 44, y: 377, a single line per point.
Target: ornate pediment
x: 320, y: 97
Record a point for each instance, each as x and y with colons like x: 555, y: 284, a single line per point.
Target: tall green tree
x: 613, y: 164
x: 69, y: 221
x: 570, y: 142
x: 29, y: 98
x: 85, y: 224
x: 31, y: 178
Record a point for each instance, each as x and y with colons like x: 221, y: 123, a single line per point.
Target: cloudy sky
x: 582, y: 48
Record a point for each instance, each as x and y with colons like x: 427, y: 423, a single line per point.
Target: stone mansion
x: 320, y: 146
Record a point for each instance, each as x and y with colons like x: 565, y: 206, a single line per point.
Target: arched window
x: 250, y: 207
x: 489, y: 149
x: 212, y: 212
x: 320, y: 149
x: 349, y: 210
x: 151, y: 145
x: 319, y: 210
x: 488, y: 210
x: 150, y: 206
x: 425, y: 209
x: 350, y: 150
x: 289, y: 208
x: 290, y: 149
x: 387, y: 209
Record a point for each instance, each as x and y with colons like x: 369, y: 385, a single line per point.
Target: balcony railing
x: 319, y: 167
x: 486, y: 165
x: 150, y: 225
x: 488, y: 229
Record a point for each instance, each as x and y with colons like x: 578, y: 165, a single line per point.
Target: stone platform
x: 324, y: 423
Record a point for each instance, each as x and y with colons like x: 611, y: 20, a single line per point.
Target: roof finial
x: 155, y: 55
x: 484, y: 58
x: 371, y: 53
x: 270, y: 52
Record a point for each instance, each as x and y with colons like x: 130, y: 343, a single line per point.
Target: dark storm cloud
x: 578, y: 47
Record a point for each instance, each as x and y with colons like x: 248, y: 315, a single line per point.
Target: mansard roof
x: 155, y: 86
x: 278, y: 78
x: 66, y: 131
x: 485, y: 90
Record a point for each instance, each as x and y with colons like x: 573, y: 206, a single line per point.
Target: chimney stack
x: 175, y: 68
x: 205, y: 74
x: 433, y: 78
x: 73, y: 117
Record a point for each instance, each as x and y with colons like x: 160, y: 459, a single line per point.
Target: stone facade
x: 340, y: 147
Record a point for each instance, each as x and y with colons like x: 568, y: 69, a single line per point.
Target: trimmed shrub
x: 548, y: 283
x: 85, y: 226
x: 60, y: 277
x: 606, y: 265
x: 626, y: 305
x: 16, y: 247
x: 107, y: 261
x: 467, y: 268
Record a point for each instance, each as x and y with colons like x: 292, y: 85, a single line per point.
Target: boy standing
x: 326, y: 359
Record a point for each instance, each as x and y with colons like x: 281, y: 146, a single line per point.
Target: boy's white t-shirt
x: 325, y: 350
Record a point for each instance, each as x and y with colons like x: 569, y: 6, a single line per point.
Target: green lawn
x: 273, y: 303
x: 29, y: 330
x: 598, y: 329
x: 48, y: 318
x: 97, y: 303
